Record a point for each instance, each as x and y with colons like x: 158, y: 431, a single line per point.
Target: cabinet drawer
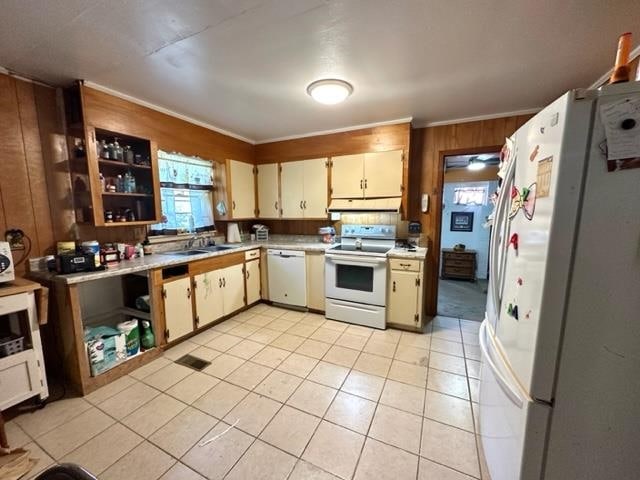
x: 251, y: 254
x: 467, y: 263
x: 458, y: 271
x: 458, y: 256
x: 406, y: 265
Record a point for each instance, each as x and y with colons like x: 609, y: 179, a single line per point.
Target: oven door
x: 355, y: 278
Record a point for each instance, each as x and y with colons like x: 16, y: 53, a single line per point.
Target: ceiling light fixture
x: 475, y: 164
x: 329, y: 91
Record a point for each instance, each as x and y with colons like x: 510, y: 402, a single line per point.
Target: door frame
x: 435, y: 273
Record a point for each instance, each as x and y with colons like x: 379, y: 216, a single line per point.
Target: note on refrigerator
x: 621, y: 122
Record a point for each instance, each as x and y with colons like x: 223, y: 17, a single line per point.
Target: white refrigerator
x: 560, y: 377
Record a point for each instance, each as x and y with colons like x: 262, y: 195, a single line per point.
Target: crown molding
x: 478, y: 118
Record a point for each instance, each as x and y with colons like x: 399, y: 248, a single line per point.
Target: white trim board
x: 336, y: 130
x: 478, y: 118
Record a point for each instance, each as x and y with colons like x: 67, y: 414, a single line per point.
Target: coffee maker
x: 414, y: 231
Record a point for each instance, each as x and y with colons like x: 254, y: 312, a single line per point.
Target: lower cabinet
x: 315, y: 280
x: 209, y: 299
x: 232, y: 288
x: 405, y: 293
x: 252, y: 278
x: 178, y: 313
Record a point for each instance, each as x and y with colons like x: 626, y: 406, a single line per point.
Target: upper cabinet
x: 268, y: 191
x: 367, y: 175
x: 304, y: 186
x: 242, y: 192
x: 115, y: 178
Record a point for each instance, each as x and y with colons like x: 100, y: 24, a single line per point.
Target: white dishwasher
x: 287, y: 277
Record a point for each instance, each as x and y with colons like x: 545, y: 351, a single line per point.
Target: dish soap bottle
x: 147, y: 339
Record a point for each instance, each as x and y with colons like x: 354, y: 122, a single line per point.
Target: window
x: 186, y: 193
x: 470, y: 196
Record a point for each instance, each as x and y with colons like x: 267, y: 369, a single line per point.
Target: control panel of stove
x: 369, y: 231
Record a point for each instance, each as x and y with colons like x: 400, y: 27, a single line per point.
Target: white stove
x: 356, y: 275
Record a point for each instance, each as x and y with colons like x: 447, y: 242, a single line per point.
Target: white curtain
x: 470, y: 196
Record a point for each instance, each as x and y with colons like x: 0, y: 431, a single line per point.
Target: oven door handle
x: 354, y: 260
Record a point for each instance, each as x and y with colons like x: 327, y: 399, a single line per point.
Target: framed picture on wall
x: 462, y: 221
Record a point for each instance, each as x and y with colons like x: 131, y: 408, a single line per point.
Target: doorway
x: 470, y: 180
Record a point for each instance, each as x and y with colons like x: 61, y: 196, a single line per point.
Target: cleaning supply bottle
x: 147, y: 339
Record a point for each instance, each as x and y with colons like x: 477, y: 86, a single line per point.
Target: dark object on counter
x: 415, y: 227
x: 459, y: 247
x: 109, y: 255
x: 75, y: 262
x: 65, y: 471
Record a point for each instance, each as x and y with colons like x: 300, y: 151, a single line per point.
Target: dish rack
x: 11, y: 345
x: 262, y: 235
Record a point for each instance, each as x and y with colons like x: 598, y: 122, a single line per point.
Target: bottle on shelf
x: 147, y: 339
x: 110, y: 152
x: 118, y: 151
x: 119, y: 184
x: 103, y: 183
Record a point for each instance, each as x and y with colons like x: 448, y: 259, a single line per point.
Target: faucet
x: 192, y: 227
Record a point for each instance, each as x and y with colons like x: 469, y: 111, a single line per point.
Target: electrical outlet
x: 15, y: 237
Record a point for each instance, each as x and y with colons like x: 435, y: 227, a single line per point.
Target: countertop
x: 161, y: 260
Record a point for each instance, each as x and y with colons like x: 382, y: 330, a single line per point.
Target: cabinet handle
x: 188, y: 293
x: 300, y: 204
x: 224, y: 282
x: 405, y: 265
x: 248, y: 274
x: 394, y: 286
x: 365, y: 183
x: 305, y: 204
x: 275, y: 205
x: 233, y: 204
x: 220, y: 282
x: 361, y: 184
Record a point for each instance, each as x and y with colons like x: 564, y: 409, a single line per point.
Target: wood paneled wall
x: 33, y: 158
x: 429, y: 145
x: 466, y: 175
x: 172, y: 134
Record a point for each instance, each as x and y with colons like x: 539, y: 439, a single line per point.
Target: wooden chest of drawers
x: 459, y: 265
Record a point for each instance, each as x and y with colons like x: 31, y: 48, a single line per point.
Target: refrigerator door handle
x: 504, y: 384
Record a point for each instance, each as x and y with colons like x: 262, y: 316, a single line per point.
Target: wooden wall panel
x: 172, y: 134
x: 24, y: 197
x: 375, y: 139
x: 466, y: 175
x: 428, y: 148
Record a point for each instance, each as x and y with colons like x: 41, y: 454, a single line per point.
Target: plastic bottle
x: 147, y: 339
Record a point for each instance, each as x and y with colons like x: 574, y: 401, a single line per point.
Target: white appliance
x: 287, y: 277
x: 560, y: 375
x: 6, y: 263
x: 356, y: 275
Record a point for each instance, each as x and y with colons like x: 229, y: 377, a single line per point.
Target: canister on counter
x: 92, y: 246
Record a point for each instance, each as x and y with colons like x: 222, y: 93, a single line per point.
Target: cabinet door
x: 243, y: 201
x: 315, y: 280
x: 268, y: 198
x: 252, y: 279
x: 347, y: 176
x: 264, y: 275
x: 291, y: 183
x: 316, y: 178
x: 404, y: 294
x: 233, y: 288
x: 178, y: 312
x: 383, y: 174
x: 209, y: 298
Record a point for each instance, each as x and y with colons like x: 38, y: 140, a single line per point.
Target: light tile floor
x: 288, y: 396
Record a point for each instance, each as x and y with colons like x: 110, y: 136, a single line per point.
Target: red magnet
x: 519, y: 281
x: 514, y: 192
x: 514, y: 241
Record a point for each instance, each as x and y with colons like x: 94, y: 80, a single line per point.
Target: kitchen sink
x: 186, y: 253
x: 215, y: 248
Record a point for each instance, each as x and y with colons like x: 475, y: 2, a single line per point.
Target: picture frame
x: 461, y: 222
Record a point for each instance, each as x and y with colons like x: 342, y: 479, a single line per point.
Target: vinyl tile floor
x: 288, y: 395
x: 462, y: 299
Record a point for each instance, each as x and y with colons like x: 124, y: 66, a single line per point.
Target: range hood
x: 365, y: 205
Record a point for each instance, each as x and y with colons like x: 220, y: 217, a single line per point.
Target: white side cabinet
x: 243, y: 194
x: 304, y: 188
x: 22, y: 375
x: 367, y: 175
x: 178, y: 309
x: 315, y: 280
x: 405, y: 293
